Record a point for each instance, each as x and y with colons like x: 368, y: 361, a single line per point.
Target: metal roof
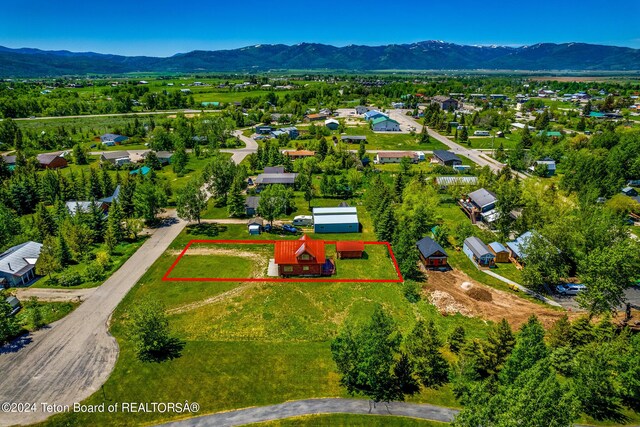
x: 252, y: 202
x: 19, y: 259
x: 349, y: 245
x: 338, y: 210
x: 335, y: 219
x: 46, y: 158
x: 446, y: 156
x: 519, y: 246
x: 383, y: 119
x: 287, y: 251
x: 113, y: 155
x: 482, y: 197
x: 445, y: 181
x: 497, y: 247
x: 274, y: 169
x: 427, y: 247
x: 477, y: 247
x: 276, y: 178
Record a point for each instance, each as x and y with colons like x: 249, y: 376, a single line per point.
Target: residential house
x: 397, y: 104
x: 548, y: 162
x: 446, y: 103
x: 518, y: 247
x: 353, y: 139
x: 431, y: 253
x: 361, y: 109
x: 629, y: 191
x: 302, y: 257
x: 110, y: 139
x: 385, y: 124
x: 480, y: 205
x: 164, y: 157
x: 478, y: 252
x: 336, y: 220
x: 394, y: 157
x: 446, y: 158
x: 264, y: 130
x: 299, y: 154
x: 251, y: 205
x: 117, y: 158
x: 315, y: 117
x: 332, y: 124
x: 74, y: 206
x: 17, y: 264
x: 292, y: 131
x: 373, y: 114
x: 52, y: 161
x: 349, y: 249
x: 499, y: 251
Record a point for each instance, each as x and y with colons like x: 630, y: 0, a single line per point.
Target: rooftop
x: 19, y: 259
x: 427, y: 247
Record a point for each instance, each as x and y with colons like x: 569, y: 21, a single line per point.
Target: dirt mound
x: 455, y: 292
x: 480, y: 294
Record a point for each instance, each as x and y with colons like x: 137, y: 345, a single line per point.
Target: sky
x: 164, y: 28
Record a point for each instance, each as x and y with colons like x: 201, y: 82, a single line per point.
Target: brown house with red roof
x: 303, y: 257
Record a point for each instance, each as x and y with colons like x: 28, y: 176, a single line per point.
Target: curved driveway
x: 317, y: 406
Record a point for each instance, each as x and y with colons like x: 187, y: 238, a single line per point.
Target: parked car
x: 289, y: 228
x: 267, y: 228
x: 570, y: 289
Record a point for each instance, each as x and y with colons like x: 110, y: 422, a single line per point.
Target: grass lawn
x: 51, y: 311
x: 350, y: 420
x: 376, y: 264
x: 486, y: 142
x: 121, y: 253
x: 248, y: 343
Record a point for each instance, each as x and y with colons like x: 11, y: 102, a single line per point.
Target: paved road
x: 71, y: 359
x: 317, y: 406
x: 251, y: 146
x: 476, y: 156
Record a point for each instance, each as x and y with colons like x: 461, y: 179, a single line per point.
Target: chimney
x: 9, y: 264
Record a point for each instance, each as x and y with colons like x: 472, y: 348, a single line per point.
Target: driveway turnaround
x: 69, y: 360
x: 251, y: 146
x: 317, y: 406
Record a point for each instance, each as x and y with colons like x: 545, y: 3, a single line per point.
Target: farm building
x: 548, y: 162
x: 111, y: 139
x: 478, y: 252
x: 446, y: 158
x: 431, y: 253
x: 349, y: 249
x: 384, y: 124
x: 17, y: 264
x: 501, y: 253
x: 299, y: 154
x: 332, y: 124
x: 353, y: 139
x: 251, y: 205
x: 336, y: 220
x: 52, y: 161
x: 116, y: 157
x: 302, y: 257
x: 445, y: 102
x: 394, y: 157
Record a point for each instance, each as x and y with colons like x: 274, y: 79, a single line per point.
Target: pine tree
x: 423, y: 348
x: 106, y: 183
x: 48, y: 261
x: 63, y: 254
x: 386, y: 225
x: 79, y: 155
x: 498, y: 347
x: 43, y: 222
x: 560, y: 333
x: 529, y: 349
x: 406, y: 254
x: 464, y: 135
x: 362, y: 150
x: 179, y: 160
x: 235, y: 201
x: 457, y: 339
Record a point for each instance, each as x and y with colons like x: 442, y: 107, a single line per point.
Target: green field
x: 392, y: 141
x: 248, y: 343
x: 51, y: 311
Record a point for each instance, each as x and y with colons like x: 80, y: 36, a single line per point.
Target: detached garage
x: 349, y: 249
x: 336, y: 220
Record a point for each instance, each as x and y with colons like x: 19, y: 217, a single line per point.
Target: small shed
x: 332, y: 124
x: 255, y: 226
x: 501, y: 253
x: 251, y: 205
x: 349, y: 249
x: 478, y: 252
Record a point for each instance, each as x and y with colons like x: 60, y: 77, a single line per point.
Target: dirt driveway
x: 455, y: 292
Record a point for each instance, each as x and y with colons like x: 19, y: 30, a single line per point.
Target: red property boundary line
x: 166, y: 277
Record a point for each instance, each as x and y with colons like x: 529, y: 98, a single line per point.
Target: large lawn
x: 248, y: 343
x: 392, y: 141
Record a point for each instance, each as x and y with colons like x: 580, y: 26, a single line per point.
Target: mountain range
x: 427, y: 55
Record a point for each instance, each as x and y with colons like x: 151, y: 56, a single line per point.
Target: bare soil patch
x: 455, y: 292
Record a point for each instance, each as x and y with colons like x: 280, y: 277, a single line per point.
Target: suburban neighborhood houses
x: 463, y: 247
